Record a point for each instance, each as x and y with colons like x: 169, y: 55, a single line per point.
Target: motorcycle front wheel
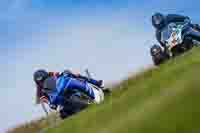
x: 72, y: 106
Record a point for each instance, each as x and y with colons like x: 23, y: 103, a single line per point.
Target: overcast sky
x: 111, y: 38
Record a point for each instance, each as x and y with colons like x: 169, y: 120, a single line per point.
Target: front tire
x: 72, y: 106
x: 158, y: 62
x: 159, y: 59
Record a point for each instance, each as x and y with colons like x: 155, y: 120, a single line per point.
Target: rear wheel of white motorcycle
x: 188, y: 43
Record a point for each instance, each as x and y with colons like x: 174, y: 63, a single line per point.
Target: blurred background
x: 111, y: 38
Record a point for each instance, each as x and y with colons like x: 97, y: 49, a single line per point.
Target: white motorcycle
x: 176, y: 38
x: 77, y: 101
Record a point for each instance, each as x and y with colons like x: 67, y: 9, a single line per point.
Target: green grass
x: 35, y: 126
x: 162, y: 100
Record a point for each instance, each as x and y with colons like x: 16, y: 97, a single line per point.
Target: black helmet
x: 155, y: 49
x: 40, y: 75
x: 49, y: 84
x: 158, y: 20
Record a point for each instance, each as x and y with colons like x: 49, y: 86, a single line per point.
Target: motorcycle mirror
x: 88, y: 74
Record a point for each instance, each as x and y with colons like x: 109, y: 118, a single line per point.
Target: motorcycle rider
x: 160, y: 21
x: 39, y: 76
x: 54, y: 86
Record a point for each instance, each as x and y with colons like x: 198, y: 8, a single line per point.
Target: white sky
x: 110, y: 51
x: 111, y: 45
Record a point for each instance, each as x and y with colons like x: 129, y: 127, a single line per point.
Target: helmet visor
x: 157, y: 20
x: 50, y: 84
x: 39, y: 78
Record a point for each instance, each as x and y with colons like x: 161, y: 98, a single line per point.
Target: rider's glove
x: 44, y: 99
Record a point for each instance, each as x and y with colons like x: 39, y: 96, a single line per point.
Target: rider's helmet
x: 40, y: 75
x: 49, y: 84
x: 155, y: 50
x: 158, y: 20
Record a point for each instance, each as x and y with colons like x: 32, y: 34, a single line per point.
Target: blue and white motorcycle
x: 76, y: 101
x: 178, y: 38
